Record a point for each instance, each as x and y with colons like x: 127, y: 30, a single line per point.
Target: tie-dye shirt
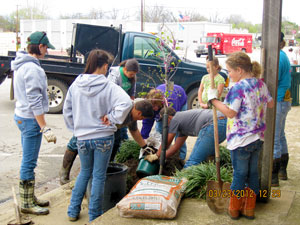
x: 249, y: 98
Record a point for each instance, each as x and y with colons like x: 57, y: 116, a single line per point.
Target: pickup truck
x: 61, y: 71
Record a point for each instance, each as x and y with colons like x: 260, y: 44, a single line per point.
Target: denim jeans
x: 124, y: 133
x: 245, y: 167
x: 72, y: 145
x: 94, y: 156
x: 280, y: 144
x: 183, y: 149
x: 31, y: 139
x: 205, y: 143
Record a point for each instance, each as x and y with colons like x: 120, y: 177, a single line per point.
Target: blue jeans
x: 245, y: 171
x: 72, y: 145
x: 124, y: 134
x: 280, y: 144
x: 31, y: 139
x: 94, y: 156
x: 205, y: 143
x: 183, y: 149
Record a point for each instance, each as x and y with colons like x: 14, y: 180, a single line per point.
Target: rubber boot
x: 248, y: 205
x: 234, y: 208
x: 26, y: 189
x: 64, y: 173
x: 276, y: 166
x: 282, y: 174
x: 37, y: 201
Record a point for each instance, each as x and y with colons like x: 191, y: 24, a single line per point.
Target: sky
x: 251, y: 10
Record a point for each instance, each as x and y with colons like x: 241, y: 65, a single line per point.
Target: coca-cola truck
x: 223, y: 44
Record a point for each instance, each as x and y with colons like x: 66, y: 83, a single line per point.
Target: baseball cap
x: 39, y: 37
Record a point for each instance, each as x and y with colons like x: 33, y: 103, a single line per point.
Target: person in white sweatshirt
x: 30, y: 89
x: 93, y: 107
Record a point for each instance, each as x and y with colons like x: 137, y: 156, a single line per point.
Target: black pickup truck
x: 61, y: 70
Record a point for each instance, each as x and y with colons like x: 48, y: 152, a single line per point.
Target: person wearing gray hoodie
x: 30, y: 88
x: 93, y: 107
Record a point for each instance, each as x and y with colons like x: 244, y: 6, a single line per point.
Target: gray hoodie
x: 30, y: 86
x: 114, y: 75
x: 89, y: 98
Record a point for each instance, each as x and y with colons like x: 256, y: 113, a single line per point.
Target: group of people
x: 108, y: 106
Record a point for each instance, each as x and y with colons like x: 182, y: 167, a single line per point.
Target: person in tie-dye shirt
x: 245, y: 107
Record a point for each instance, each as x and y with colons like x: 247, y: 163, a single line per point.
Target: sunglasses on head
x: 44, y: 34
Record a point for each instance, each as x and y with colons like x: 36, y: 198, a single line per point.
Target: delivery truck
x: 224, y: 44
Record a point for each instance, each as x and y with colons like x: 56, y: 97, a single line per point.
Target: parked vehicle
x: 223, y: 44
x: 61, y: 71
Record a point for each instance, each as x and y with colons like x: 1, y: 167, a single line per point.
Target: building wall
x: 59, y: 32
x: 7, y: 42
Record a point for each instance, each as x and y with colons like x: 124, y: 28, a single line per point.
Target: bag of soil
x: 153, y: 197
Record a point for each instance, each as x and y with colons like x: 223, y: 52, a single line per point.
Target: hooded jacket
x: 114, y: 75
x: 30, y: 86
x: 91, y: 97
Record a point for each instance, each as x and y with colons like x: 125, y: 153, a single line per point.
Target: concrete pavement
x: 283, y: 210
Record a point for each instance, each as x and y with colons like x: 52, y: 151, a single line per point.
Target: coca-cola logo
x: 238, y: 42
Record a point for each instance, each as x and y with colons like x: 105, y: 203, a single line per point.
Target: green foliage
x: 225, y: 158
x: 129, y: 149
x: 287, y: 27
x: 198, y: 176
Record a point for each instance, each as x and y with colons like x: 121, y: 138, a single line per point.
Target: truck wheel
x: 192, y: 99
x: 57, y: 92
x: 198, y: 55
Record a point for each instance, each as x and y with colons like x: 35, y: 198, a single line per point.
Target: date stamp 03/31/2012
x: 274, y: 193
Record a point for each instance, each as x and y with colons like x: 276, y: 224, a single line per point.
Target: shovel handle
x: 17, y: 209
x: 215, y: 118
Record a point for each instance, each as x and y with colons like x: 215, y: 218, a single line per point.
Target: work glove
x: 151, y: 158
x: 146, y: 150
x: 211, y: 94
x: 48, y: 134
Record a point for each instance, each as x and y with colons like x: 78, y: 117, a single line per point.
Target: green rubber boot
x: 28, y: 205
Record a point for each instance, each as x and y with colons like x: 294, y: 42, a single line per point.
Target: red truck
x: 225, y: 43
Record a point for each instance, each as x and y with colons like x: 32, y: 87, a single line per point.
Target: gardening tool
x: 18, y: 220
x: 217, y: 192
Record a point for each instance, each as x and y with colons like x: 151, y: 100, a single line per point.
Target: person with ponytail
x: 245, y: 106
x: 92, y: 109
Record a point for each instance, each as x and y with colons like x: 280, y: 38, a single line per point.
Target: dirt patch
x: 169, y: 169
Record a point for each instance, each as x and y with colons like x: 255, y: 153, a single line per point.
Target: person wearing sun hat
x: 30, y: 89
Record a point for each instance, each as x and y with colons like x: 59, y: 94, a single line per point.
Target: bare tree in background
x: 114, y: 14
x: 125, y: 15
x: 96, y: 14
x: 235, y: 19
x: 157, y: 14
x: 194, y: 16
x: 216, y: 18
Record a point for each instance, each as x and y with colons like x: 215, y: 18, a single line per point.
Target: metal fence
x: 295, y: 85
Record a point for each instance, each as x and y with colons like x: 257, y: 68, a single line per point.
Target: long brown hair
x: 96, y: 59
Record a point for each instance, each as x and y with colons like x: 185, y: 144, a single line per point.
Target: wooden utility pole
x: 271, y: 29
x: 142, y: 15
